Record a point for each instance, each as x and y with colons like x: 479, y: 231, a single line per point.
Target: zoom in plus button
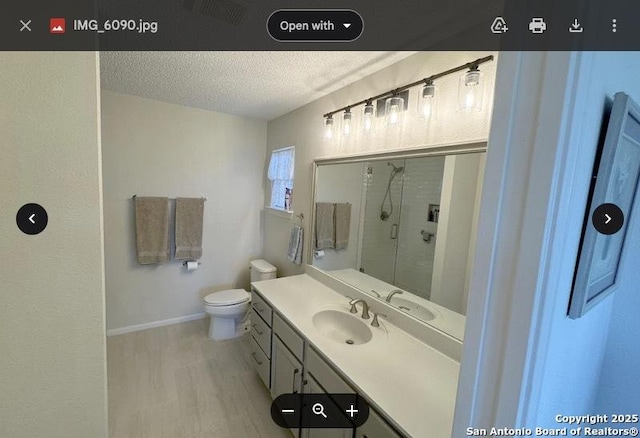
x: 319, y: 25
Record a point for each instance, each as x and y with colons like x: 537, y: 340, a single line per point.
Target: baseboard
x: 154, y: 324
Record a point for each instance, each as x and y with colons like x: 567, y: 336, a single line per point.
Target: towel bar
x: 134, y: 196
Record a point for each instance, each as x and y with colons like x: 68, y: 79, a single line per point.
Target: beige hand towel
x: 342, y: 224
x: 189, y: 221
x: 325, y: 225
x: 152, y: 230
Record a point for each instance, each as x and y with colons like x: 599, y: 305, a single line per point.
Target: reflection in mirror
x: 408, y: 234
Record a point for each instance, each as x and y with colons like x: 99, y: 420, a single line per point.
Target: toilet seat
x: 227, y: 298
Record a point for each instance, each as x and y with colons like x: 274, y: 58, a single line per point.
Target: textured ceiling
x: 261, y: 85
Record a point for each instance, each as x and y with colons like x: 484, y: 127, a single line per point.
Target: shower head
x: 395, y: 168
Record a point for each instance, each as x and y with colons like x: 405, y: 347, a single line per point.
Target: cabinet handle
x: 293, y: 383
x: 256, y: 359
x: 256, y: 330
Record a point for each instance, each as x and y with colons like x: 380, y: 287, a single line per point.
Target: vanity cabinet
x: 287, y: 364
x: 311, y: 386
x: 286, y: 370
x: 260, y: 342
x: 375, y: 427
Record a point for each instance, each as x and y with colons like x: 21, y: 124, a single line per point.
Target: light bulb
x: 470, y: 91
x: 394, y: 107
x: 328, y: 127
x: 346, y: 123
x: 368, y: 117
x: 427, y: 102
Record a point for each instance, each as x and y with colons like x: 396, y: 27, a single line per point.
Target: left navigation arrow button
x: 32, y: 219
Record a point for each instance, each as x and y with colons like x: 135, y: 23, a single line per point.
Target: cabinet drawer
x: 261, y: 332
x: 325, y: 375
x: 291, y: 339
x: 261, y: 306
x: 260, y: 362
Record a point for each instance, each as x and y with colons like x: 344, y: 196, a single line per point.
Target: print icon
x: 499, y: 25
x: 57, y: 25
x: 537, y: 25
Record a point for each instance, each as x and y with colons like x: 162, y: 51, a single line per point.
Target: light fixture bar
x: 468, y: 65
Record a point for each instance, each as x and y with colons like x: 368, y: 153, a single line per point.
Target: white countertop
x: 446, y: 320
x: 412, y: 384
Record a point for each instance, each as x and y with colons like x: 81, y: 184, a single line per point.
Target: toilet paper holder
x: 187, y: 261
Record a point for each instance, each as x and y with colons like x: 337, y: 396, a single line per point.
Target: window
x: 281, y: 177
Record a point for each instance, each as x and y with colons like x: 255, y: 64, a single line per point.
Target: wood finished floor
x: 173, y: 382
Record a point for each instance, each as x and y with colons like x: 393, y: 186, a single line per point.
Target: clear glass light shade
x: 328, y: 128
x: 368, y: 118
x: 346, y: 123
x: 470, y: 91
x: 427, y: 104
x: 394, y: 110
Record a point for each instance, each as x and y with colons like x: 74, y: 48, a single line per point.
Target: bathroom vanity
x: 305, y: 340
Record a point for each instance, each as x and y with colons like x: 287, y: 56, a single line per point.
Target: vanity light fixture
x: 346, y: 122
x: 393, y: 110
x: 368, y: 117
x: 328, y: 127
x: 470, y: 95
x: 427, y: 102
x: 471, y: 90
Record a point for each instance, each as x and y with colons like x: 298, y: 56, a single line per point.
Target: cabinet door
x: 286, y: 373
x: 286, y: 370
x: 311, y: 386
x: 375, y: 427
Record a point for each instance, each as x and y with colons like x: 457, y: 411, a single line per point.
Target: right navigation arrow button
x: 607, y: 219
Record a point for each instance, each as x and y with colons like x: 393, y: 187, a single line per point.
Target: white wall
x: 578, y: 351
x: 455, y: 230
x: 619, y: 388
x: 341, y: 183
x: 52, y: 334
x: 152, y: 148
x: 303, y: 128
x: 421, y: 186
x: 524, y: 360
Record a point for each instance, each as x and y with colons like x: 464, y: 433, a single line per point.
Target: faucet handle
x: 352, y: 303
x: 374, y: 322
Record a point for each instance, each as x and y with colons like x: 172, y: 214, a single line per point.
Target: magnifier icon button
x: 318, y: 409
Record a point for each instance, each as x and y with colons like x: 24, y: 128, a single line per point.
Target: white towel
x: 295, y: 245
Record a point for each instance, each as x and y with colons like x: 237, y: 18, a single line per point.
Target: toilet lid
x: 227, y: 297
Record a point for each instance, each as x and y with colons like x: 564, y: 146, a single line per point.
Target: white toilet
x: 230, y: 309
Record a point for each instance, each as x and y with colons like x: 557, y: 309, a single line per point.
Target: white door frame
x: 530, y: 172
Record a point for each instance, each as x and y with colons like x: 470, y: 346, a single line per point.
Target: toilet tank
x: 262, y: 270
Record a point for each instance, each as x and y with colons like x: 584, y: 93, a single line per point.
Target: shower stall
x: 399, y: 226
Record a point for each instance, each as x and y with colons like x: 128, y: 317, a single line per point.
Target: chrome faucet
x: 392, y: 293
x: 365, y: 307
x: 374, y: 322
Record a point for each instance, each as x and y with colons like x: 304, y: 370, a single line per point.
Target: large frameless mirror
x: 402, y: 228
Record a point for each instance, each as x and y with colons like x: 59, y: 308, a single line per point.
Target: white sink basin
x: 342, y: 327
x: 412, y: 308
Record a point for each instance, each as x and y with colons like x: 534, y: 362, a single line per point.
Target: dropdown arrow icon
x: 347, y: 25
